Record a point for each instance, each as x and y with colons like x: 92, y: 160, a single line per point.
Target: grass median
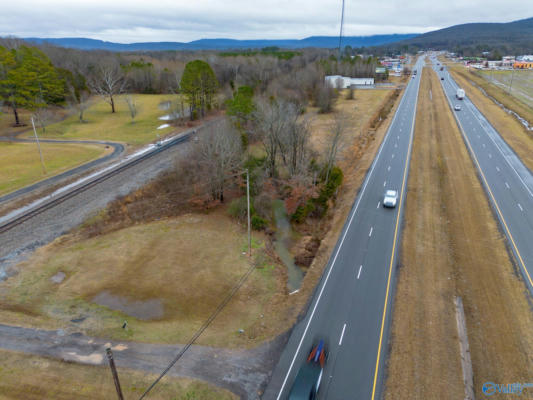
x: 452, y: 246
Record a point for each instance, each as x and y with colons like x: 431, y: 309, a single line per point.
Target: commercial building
x: 344, y: 82
x: 523, y: 65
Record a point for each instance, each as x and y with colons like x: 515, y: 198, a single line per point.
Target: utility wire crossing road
x: 508, y: 182
x: 351, y: 308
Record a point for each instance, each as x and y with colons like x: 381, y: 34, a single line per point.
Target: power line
x: 340, y: 33
x: 220, y: 307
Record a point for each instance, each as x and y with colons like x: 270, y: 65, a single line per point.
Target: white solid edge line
x: 342, y: 334
x: 342, y: 240
x: 499, y: 148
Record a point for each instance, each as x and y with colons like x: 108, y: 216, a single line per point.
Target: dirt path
x: 452, y: 247
x: 243, y: 372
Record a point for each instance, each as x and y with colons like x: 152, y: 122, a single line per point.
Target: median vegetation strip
x: 20, y: 163
x: 452, y: 246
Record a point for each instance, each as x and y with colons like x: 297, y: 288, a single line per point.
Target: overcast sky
x: 129, y: 21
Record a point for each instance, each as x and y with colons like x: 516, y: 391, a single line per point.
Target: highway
x: 351, y: 307
x: 507, y: 181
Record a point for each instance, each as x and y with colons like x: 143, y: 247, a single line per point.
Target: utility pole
x: 38, y: 146
x: 340, y: 33
x: 248, y: 202
x: 511, y: 84
x: 114, y: 372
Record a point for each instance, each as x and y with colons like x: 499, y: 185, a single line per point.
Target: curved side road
x: 352, y: 306
x: 21, y: 234
x: 118, y: 149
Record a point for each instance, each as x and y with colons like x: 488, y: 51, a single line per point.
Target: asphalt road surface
x: 352, y: 305
x: 507, y: 181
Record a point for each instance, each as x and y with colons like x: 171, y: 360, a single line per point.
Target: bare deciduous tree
x: 42, y: 117
x: 219, y: 154
x: 284, y: 134
x: 79, y: 101
x: 270, y: 121
x: 133, y: 108
x: 108, y: 81
x: 335, y: 141
x: 324, y: 98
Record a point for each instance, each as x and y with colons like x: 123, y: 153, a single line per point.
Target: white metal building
x: 345, y: 82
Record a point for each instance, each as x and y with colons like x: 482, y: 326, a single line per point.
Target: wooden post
x: 38, y: 146
x: 248, y: 202
x: 114, y: 372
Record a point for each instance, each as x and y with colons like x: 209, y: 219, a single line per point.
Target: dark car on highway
x: 307, y: 381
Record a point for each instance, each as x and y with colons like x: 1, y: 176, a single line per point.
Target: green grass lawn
x: 118, y: 127
x: 20, y: 164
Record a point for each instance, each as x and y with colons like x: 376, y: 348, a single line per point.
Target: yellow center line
x: 393, y: 249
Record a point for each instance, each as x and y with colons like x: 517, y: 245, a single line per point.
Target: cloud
x: 179, y: 20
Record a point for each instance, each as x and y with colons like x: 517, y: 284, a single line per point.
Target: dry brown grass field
x: 30, y: 377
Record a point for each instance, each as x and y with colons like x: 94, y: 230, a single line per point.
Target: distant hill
x: 225, y: 44
x: 511, y: 37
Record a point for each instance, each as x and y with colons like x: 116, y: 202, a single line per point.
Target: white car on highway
x: 390, y: 199
x: 457, y: 107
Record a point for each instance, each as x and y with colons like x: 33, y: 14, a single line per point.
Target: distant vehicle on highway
x: 441, y: 68
x: 441, y: 78
x: 460, y: 94
x: 390, y: 199
x: 457, y: 107
x: 307, y: 381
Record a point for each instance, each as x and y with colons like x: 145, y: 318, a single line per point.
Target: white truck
x: 460, y: 94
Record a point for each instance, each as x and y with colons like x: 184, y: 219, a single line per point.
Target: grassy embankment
x: 101, y: 124
x: 20, y: 163
x: 30, y: 377
x: 452, y: 247
x: 511, y: 130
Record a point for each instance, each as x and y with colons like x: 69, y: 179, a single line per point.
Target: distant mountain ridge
x: 225, y: 44
x: 515, y: 35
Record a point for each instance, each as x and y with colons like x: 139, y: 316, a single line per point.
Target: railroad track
x: 63, y: 197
